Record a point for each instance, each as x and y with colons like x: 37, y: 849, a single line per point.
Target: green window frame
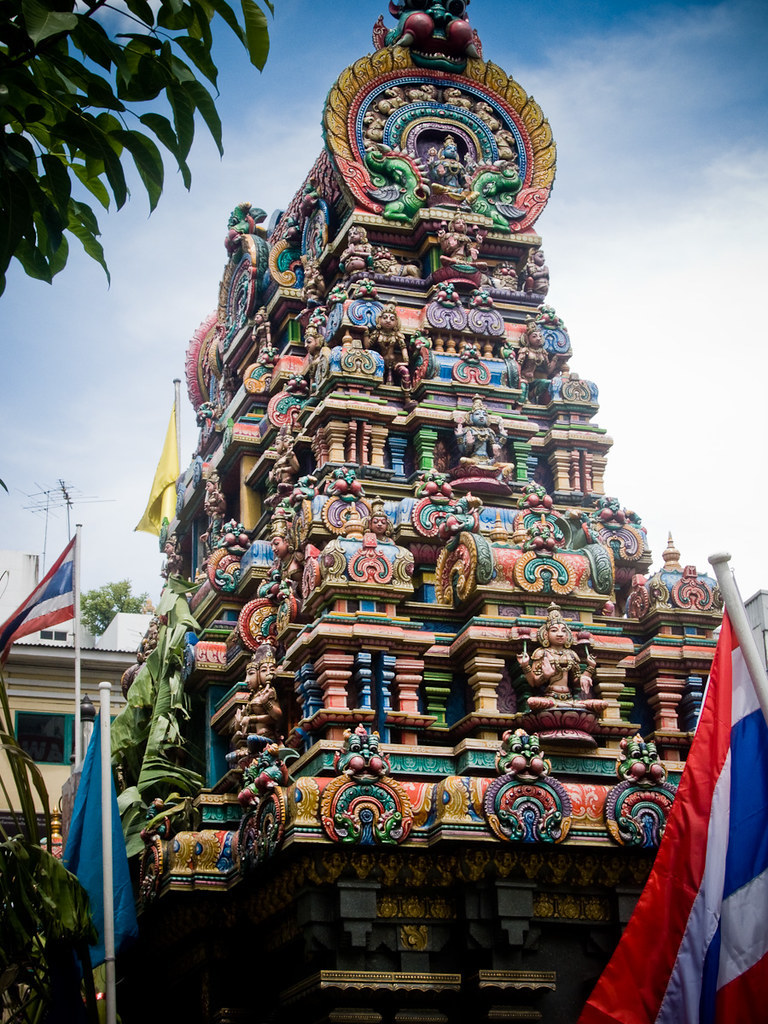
x: 48, y: 737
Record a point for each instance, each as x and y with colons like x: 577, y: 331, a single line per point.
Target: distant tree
x: 98, y: 607
x: 80, y: 84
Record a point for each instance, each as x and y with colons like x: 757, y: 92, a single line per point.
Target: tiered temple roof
x: 428, y: 640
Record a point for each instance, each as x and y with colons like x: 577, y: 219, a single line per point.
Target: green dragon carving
x: 493, y: 194
x: 396, y: 184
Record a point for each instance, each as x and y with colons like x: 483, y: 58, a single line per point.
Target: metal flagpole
x: 738, y: 616
x: 106, y: 847
x: 177, y: 410
x: 78, y: 736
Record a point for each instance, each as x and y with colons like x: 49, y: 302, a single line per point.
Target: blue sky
x: 655, y: 236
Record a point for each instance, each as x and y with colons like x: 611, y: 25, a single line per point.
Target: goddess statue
x: 262, y: 715
x: 555, y: 668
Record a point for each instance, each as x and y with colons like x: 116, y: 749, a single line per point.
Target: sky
x: 656, y: 236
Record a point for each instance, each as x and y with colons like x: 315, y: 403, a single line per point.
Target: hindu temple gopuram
x: 442, y: 694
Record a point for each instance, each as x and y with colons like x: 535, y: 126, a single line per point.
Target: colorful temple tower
x: 427, y: 639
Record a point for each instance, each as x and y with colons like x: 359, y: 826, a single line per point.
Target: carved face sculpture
x: 388, y: 320
x: 379, y: 524
x: 260, y: 672
x: 558, y: 634
x: 535, y: 338
x: 479, y: 417
x: 280, y: 546
x: 437, y: 32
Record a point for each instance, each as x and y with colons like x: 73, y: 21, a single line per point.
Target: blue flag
x: 83, y: 854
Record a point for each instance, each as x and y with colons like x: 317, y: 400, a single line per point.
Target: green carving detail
x: 424, y: 444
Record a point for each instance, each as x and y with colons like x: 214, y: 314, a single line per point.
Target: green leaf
x: 58, y: 259
x: 33, y: 261
x: 204, y: 102
x: 224, y: 11
x: 201, y: 28
x: 93, y: 42
x: 80, y: 216
x: 148, y: 162
x: 94, y: 184
x: 200, y: 55
x: 183, y: 117
x: 41, y: 22
x: 256, y: 33
x: 161, y: 126
x: 57, y: 179
x: 93, y: 137
x: 142, y: 10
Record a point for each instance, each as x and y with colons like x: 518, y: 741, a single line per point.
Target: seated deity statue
x: 477, y: 439
x: 262, y: 715
x: 554, y: 669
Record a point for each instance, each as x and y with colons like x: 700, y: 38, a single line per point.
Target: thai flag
x: 696, y: 948
x: 52, y: 601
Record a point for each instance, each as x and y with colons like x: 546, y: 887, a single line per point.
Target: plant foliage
x: 79, y: 86
x: 99, y: 606
x: 147, y: 735
x: 44, y: 911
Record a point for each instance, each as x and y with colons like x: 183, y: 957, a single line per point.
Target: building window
x: 48, y: 739
x: 53, y: 634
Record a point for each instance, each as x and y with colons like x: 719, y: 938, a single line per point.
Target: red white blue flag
x: 695, y: 950
x: 52, y: 601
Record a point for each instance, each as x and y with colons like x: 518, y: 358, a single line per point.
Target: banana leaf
x: 148, y: 736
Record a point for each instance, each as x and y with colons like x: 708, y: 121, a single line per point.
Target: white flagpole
x: 78, y: 730
x: 738, y: 616
x: 106, y: 845
x: 177, y: 410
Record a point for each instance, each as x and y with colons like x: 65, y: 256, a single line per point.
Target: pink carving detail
x: 358, y: 180
x: 533, y: 200
x: 200, y: 338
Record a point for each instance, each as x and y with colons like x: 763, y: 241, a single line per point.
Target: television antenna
x: 48, y: 500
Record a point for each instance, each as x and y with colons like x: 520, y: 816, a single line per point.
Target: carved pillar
x: 363, y: 677
x: 320, y: 447
x: 409, y: 673
x: 598, y: 469
x: 522, y: 457
x: 334, y: 670
x: 664, y: 695
x: 559, y: 463
x: 250, y: 501
x: 586, y: 471
x: 484, y: 674
x: 575, y: 470
x: 398, y: 445
x: 364, y: 445
x: 378, y: 440
x: 384, y: 694
x: 437, y: 688
x: 424, y: 443
x: 308, y: 690
x: 690, y: 705
x: 610, y: 683
x: 350, y: 454
x: 336, y: 435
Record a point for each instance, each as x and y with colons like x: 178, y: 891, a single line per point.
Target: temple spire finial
x: 671, y: 556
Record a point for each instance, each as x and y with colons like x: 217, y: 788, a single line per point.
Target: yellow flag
x: 162, y: 497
